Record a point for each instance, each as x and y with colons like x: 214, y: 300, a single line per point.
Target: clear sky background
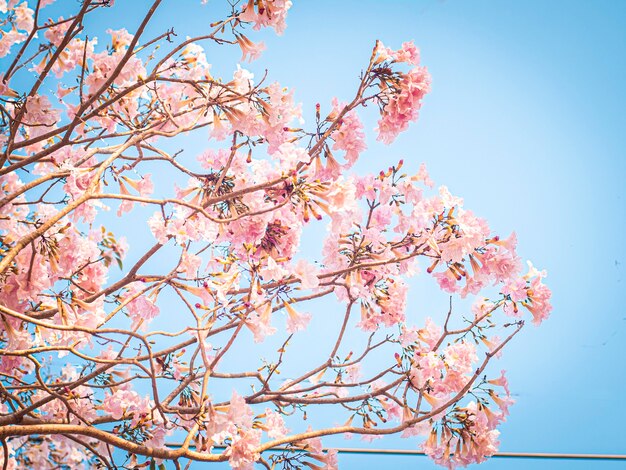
x: 526, y: 122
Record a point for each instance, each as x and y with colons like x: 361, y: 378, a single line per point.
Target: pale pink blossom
x: 275, y: 424
x: 538, y: 300
x: 24, y: 19
x: 409, y: 53
x: 259, y: 322
x: 501, y: 382
x: 142, y: 308
x: 190, y: 264
x: 426, y: 368
x: 120, y: 38
x: 241, y: 452
x: 348, y: 135
x: 307, y: 273
x: 296, y: 321
x: 250, y: 51
x: 269, y: 13
x: 8, y: 39
x: 403, y: 107
x: 460, y: 356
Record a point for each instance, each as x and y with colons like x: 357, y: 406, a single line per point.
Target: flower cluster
x: 401, y: 95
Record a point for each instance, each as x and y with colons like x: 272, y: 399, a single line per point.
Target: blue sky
x: 526, y: 122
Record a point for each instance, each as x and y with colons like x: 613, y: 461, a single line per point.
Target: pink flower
x: 272, y: 270
x: 142, y: 308
x: 24, y: 19
x: 158, y: 228
x: 270, y: 13
x: 307, y: 273
x: 409, y: 53
x: 189, y: 265
x: 341, y: 197
x: 403, y: 106
x: 259, y: 322
x: 460, y: 356
x: 502, y: 265
x: 241, y: 452
x: 124, y: 403
x: 354, y: 373
x: 296, y: 321
x: 40, y: 116
x: 291, y: 155
x: 516, y: 289
x: 501, y: 382
x: 55, y: 34
x: 120, y: 38
x: 275, y: 424
x: 239, y: 412
x: 447, y: 281
x: 422, y: 175
x: 250, y: 51
x: 538, y: 300
x: 493, y: 343
x: 5, y: 90
x: 143, y: 186
x: 503, y: 402
x: 431, y: 333
x: 408, y: 336
x: 426, y: 368
x: 348, y: 135
x: 8, y: 39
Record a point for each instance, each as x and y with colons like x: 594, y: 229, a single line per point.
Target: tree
x: 85, y: 376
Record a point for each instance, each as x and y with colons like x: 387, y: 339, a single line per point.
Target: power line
x: 514, y: 455
x: 505, y: 455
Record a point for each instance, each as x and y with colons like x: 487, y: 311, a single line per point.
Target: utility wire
x: 505, y: 455
x: 510, y: 455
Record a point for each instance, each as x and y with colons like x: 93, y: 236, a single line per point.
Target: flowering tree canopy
x: 124, y: 359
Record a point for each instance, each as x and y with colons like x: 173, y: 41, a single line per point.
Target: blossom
x: 275, y: 424
x: 141, y: 308
x: 189, y: 264
x: 516, y: 289
x: 307, y: 273
x: 353, y: 373
x: 270, y: 13
x: 431, y: 333
x: 538, y: 300
x: 239, y: 412
x: 250, y: 51
x: 24, y: 19
x: 272, y: 270
x: 403, y: 106
x: 123, y: 403
x: 408, y: 336
x: 503, y: 402
x: 120, y: 38
x: 40, y: 115
x: 407, y: 53
x: 241, y: 452
x: 296, y: 321
x: 259, y: 322
x: 348, y: 135
x: 426, y: 368
x: 8, y: 39
x: 502, y: 382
